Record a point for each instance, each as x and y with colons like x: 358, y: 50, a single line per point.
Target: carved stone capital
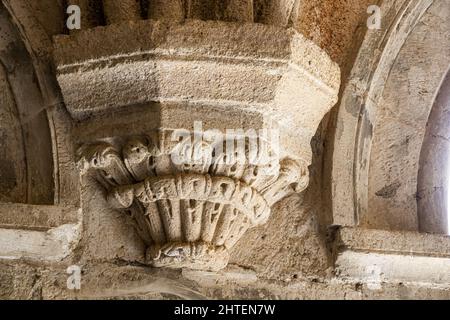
x: 190, y: 215
x: 191, y: 201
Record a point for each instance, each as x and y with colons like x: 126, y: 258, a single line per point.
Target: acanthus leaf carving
x: 193, y: 213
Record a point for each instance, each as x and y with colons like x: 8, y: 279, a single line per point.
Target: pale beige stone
x: 86, y: 119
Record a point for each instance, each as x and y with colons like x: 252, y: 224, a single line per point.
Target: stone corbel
x: 190, y: 215
x: 262, y: 77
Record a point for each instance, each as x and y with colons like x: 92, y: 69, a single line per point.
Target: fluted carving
x: 273, y: 12
x: 190, y: 206
x: 123, y: 10
x: 225, y: 10
x: 238, y: 10
x: 166, y: 9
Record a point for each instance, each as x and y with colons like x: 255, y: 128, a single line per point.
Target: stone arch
x: 432, y: 188
x: 383, y: 115
x: 27, y: 163
x: 39, y: 220
x: 33, y: 31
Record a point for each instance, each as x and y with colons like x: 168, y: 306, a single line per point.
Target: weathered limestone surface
x: 123, y: 78
x: 271, y: 57
x: 30, y: 178
x: 121, y: 11
x: 384, y: 113
x: 400, y: 122
x: 289, y: 84
x: 252, y: 68
x: 191, y: 215
x: 432, y: 188
x: 12, y: 163
x: 172, y: 10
